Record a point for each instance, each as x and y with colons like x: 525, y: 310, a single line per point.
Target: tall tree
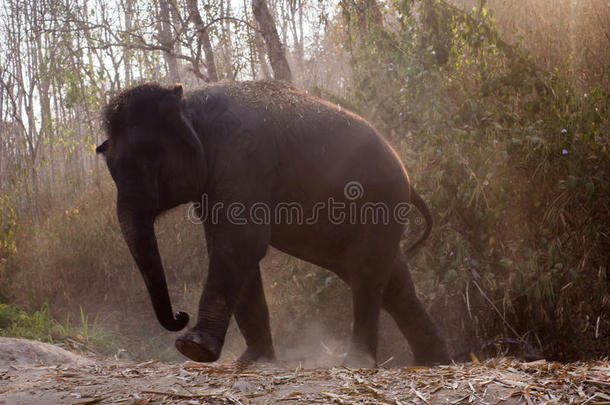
x: 165, y: 37
x: 203, y: 40
x: 128, y: 8
x: 275, y: 48
x: 294, y: 7
x: 226, y: 45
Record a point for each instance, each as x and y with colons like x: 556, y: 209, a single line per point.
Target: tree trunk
x: 259, y: 43
x: 297, y: 37
x: 251, y: 44
x: 204, y: 40
x: 165, y: 36
x: 127, y: 52
x: 275, y: 49
x: 227, y: 46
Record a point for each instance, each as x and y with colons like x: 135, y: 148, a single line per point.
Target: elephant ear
x: 171, y: 108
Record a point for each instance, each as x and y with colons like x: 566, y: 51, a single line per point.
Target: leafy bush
x: 40, y: 325
x: 514, y: 163
x: 7, y: 228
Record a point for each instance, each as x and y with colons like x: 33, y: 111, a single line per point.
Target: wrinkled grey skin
x: 264, y: 143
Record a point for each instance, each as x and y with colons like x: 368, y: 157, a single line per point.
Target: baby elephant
x: 266, y: 164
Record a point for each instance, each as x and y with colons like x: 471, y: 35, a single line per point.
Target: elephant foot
x: 434, y: 356
x: 199, y: 346
x: 359, y: 359
x: 256, y: 355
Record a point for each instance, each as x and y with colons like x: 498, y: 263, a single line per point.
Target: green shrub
x: 514, y: 163
x: 40, y: 325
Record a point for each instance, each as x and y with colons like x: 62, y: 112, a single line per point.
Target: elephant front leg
x: 252, y: 316
x: 226, y: 277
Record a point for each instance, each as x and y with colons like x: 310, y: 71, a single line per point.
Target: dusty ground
x: 37, y: 373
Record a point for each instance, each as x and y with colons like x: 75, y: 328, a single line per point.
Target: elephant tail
x: 422, y: 207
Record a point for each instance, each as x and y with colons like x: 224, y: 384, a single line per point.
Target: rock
x: 242, y: 386
x: 23, y: 352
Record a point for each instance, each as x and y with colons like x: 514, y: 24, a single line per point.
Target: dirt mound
x: 23, y: 352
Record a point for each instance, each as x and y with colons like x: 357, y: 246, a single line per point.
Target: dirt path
x: 73, y: 379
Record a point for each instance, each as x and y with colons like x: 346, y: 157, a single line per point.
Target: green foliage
x: 77, y: 260
x: 8, y: 225
x: 40, y: 325
x: 17, y: 323
x: 513, y: 161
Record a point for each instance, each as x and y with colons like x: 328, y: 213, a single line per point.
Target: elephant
x: 259, y: 145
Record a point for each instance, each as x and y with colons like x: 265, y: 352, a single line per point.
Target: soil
x: 39, y: 373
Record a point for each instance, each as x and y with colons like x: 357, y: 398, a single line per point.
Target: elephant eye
x: 103, y: 148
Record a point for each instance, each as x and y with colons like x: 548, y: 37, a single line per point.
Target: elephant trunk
x: 138, y: 231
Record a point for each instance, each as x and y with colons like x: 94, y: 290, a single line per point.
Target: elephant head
x: 157, y: 161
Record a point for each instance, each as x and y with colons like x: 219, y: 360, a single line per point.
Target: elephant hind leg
x: 369, y: 265
x: 400, y: 300
x: 366, y: 296
x: 252, y: 316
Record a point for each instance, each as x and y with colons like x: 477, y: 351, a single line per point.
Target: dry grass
x: 501, y: 380
x: 572, y: 36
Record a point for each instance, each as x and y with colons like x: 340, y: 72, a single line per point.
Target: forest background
x: 499, y: 110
